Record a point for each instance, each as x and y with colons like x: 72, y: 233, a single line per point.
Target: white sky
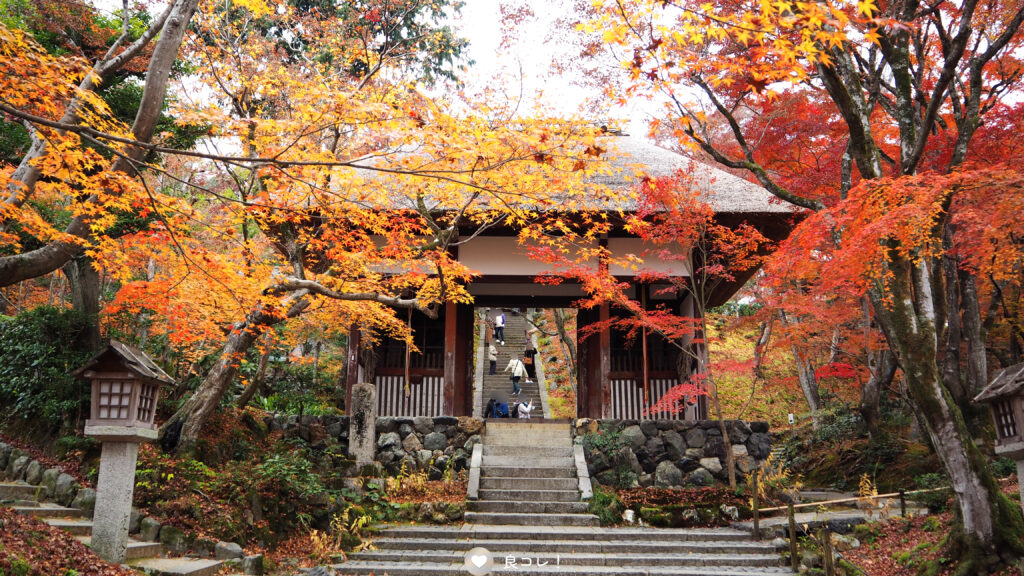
x: 521, y: 69
x: 525, y: 64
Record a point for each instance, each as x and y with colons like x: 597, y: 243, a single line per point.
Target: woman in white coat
x: 518, y: 369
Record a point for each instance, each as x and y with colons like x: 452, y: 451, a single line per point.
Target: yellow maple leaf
x: 866, y: 8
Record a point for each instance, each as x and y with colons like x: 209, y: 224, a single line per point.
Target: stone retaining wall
x: 669, y: 453
x: 422, y: 443
x: 16, y: 465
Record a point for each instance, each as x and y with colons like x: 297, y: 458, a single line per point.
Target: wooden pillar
x: 463, y: 385
x: 645, y: 363
x: 352, y: 364
x: 450, y: 357
x: 588, y: 362
x: 604, y: 371
x: 582, y: 369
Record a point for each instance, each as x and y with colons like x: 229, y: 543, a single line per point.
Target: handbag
x: 528, y: 360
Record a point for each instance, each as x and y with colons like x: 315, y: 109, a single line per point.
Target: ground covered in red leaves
x: 33, y: 548
x: 899, y: 546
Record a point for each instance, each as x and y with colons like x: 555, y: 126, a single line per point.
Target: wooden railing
x: 824, y: 534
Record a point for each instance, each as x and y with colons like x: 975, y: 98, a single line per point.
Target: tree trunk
x: 187, y: 423
x: 568, y: 343
x: 991, y: 524
x: 84, y: 285
x: 257, y: 383
x: 705, y: 368
x: 974, y: 333
x: 808, y: 382
x: 951, y: 335
x: 730, y: 458
x: 56, y: 254
x: 882, y: 373
x: 809, y: 386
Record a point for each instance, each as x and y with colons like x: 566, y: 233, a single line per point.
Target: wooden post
x: 825, y: 535
x: 793, y: 560
x: 757, y: 503
x: 604, y: 375
x: 450, y: 358
x: 903, y: 503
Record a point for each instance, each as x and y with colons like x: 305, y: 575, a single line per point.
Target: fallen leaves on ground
x: 434, y: 491
x: 898, y: 546
x: 68, y: 465
x: 692, y: 497
x: 28, y: 544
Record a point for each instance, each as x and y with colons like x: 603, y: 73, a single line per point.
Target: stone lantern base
x: 114, y: 487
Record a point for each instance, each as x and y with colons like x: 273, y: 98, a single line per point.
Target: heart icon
x: 478, y: 560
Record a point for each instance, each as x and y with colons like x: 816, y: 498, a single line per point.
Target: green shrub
x: 289, y: 473
x: 38, y: 353
x: 606, y: 506
x: 937, y: 500
x: 867, y: 533
x: 604, y: 440
x: 1003, y: 467
x: 20, y: 567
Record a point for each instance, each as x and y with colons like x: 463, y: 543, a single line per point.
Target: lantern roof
x: 1009, y: 382
x: 129, y: 357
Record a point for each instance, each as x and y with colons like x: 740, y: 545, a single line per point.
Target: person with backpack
x: 518, y: 369
x: 499, y: 328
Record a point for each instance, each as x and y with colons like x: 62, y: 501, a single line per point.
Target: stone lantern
x: 125, y: 386
x: 1005, y: 398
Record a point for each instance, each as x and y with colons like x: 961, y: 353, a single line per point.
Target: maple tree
x: 331, y: 191
x: 888, y: 76
x: 677, y: 226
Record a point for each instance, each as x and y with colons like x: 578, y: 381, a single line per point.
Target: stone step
x: 527, y: 472
x: 530, y: 495
x: 627, y: 534
x: 584, y: 559
x: 526, y: 450
x: 523, y: 519
x: 356, y: 568
x: 529, y: 483
x: 21, y: 491
x: 136, y: 550
x: 178, y: 566
x: 49, y: 510
x: 546, y: 427
x: 598, y: 546
x: 545, y: 462
x: 73, y: 527
x: 527, y: 507
x: 527, y: 440
x: 500, y: 428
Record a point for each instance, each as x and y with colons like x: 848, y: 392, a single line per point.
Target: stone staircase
x: 528, y: 476
x: 499, y: 386
x: 571, y: 550
x: 30, y: 500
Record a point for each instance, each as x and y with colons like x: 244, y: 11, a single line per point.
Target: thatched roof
x: 1007, y: 383
x: 626, y: 162
x: 632, y: 158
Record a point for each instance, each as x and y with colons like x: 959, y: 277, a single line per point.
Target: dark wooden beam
x: 450, y: 357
